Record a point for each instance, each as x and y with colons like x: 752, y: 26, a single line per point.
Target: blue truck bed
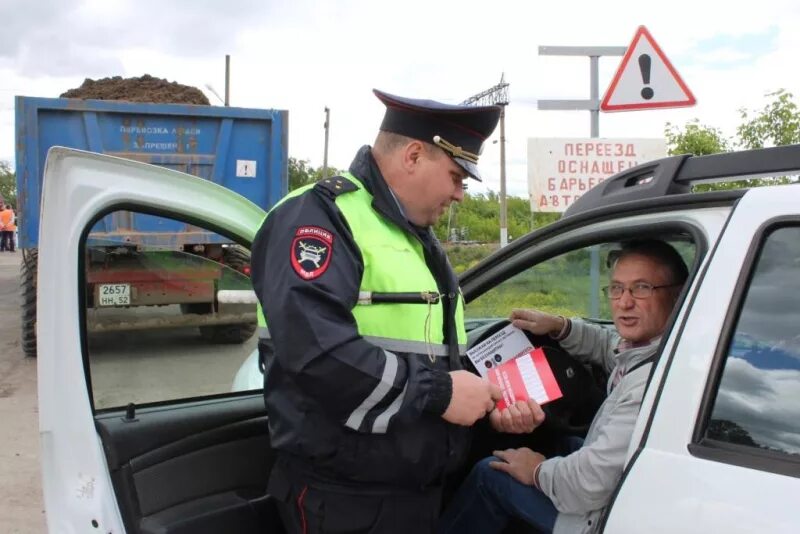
x: 242, y: 149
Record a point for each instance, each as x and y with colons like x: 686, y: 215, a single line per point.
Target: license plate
x: 114, y: 294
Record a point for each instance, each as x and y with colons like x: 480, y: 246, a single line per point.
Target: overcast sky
x: 303, y: 55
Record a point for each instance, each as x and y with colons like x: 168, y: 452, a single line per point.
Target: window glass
x: 758, y: 401
x: 569, y: 285
x: 170, y: 312
x: 560, y: 285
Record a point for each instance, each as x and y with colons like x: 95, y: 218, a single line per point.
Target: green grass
x: 561, y: 286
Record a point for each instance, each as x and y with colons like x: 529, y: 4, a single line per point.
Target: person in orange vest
x: 8, y: 228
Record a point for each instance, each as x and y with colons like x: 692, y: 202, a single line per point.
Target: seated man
x: 568, y: 493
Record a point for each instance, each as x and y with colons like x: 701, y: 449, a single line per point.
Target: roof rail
x: 675, y: 174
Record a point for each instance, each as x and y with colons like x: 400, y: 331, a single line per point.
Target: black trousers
x: 311, y: 507
x: 7, y: 240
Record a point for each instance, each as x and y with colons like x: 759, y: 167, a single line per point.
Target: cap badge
x: 453, y: 150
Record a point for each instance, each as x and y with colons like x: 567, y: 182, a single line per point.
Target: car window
x: 569, y: 284
x: 561, y: 285
x: 757, y: 404
x: 169, y: 312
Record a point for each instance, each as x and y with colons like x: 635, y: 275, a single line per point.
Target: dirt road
x: 21, y: 507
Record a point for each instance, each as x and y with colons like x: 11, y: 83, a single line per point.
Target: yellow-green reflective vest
x: 263, y: 331
x: 399, y: 308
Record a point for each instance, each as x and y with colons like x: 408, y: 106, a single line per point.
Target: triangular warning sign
x: 646, y: 79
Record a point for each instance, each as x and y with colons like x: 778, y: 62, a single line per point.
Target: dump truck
x: 241, y: 149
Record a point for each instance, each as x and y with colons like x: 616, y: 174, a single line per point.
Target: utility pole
x: 227, y: 79
x: 593, y: 106
x: 325, y: 156
x: 497, y: 96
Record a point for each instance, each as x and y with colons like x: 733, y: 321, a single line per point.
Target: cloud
x: 71, y: 59
x: 761, y: 379
x: 308, y: 54
x: 726, y: 50
x: 21, y: 18
x: 48, y: 37
x: 770, y: 314
x: 762, y: 402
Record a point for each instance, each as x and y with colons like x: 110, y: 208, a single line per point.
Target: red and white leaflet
x: 499, y: 348
x: 528, y: 376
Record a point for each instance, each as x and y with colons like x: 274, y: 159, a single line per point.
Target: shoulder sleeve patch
x: 335, y: 186
x: 312, y: 248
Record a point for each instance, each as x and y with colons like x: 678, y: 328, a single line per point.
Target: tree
x: 695, y: 138
x: 479, y: 214
x: 777, y: 124
x: 8, y: 184
x: 700, y: 140
x: 302, y: 173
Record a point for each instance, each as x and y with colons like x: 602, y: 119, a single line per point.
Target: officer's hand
x: 520, y: 418
x: 519, y: 463
x: 537, y: 322
x: 472, y: 398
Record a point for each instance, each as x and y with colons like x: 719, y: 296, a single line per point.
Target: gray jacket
x: 580, y: 485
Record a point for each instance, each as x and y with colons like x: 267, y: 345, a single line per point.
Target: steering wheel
x: 581, y: 395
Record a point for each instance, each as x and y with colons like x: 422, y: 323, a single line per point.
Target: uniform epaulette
x: 335, y: 186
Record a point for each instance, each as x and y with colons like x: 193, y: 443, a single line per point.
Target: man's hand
x: 520, y: 418
x: 472, y: 398
x: 519, y: 463
x: 537, y: 322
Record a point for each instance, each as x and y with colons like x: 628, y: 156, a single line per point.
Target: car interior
x: 186, y: 455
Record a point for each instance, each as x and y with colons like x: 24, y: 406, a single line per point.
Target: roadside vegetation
x: 8, y: 184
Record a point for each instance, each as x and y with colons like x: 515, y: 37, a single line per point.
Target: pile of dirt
x: 143, y: 89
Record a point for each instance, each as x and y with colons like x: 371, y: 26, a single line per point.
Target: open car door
x: 140, y: 429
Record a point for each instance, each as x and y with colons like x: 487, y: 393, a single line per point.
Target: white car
x: 141, y: 433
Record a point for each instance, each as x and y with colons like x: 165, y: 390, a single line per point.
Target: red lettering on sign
x: 543, y: 201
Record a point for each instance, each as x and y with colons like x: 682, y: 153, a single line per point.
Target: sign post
x: 593, y: 106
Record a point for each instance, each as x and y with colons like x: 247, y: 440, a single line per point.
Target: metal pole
x: 325, y: 157
x: 594, y: 251
x: 594, y: 96
x: 227, y: 79
x: 503, y: 206
x: 449, y: 222
x: 593, y: 106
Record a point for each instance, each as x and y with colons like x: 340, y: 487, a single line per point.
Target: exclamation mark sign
x: 644, y: 67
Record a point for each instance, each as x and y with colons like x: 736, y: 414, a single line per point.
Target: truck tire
x: 28, y: 269
x: 236, y: 258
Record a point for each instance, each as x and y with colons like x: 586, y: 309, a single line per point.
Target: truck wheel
x: 30, y: 261
x: 236, y: 258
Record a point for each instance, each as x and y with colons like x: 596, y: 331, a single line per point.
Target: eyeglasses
x: 639, y: 290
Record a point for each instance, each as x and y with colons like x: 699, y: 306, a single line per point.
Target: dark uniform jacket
x: 323, y: 371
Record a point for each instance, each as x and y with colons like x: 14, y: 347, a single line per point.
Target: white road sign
x: 561, y: 170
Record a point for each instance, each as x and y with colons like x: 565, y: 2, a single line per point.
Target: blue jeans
x: 488, y: 499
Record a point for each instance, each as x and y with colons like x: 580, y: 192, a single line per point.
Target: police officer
x: 368, y: 403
